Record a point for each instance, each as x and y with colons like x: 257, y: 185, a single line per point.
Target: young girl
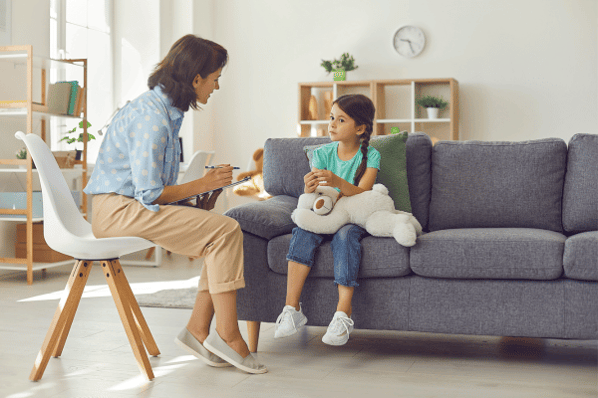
x: 350, y: 165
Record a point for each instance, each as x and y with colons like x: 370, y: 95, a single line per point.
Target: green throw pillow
x: 393, y: 166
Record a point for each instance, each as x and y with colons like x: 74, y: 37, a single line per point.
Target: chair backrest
x: 61, y: 215
x: 197, y: 165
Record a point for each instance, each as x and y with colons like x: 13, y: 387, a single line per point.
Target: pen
x: 218, y: 167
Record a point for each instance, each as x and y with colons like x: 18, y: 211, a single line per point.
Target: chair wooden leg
x: 62, y: 318
x: 111, y: 268
x: 129, y: 297
x: 253, y: 332
x: 67, y: 327
x: 149, y: 253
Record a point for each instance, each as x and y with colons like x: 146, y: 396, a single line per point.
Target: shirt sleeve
x: 146, y: 138
x: 317, y: 159
x: 374, y: 159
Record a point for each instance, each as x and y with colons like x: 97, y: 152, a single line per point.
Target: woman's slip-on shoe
x: 189, y: 343
x: 219, y: 347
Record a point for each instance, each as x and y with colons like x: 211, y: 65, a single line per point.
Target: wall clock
x: 409, y: 41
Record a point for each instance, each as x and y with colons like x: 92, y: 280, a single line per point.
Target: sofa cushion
x: 285, y: 164
x: 380, y: 257
x: 266, y: 219
x: 489, y: 253
x: 580, y: 260
x: 580, y: 207
x: 497, y: 184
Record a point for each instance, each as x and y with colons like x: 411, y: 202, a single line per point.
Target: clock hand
x: 410, y: 46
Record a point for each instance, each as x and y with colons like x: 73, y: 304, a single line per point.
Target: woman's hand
x: 215, y: 178
x: 311, y: 182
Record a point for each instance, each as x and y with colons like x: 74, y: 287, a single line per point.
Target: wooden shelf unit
x: 395, y: 105
x: 28, y: 109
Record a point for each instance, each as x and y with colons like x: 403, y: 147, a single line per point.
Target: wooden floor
x: 98, y: 362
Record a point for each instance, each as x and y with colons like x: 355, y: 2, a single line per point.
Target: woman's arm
x: 214, y: 179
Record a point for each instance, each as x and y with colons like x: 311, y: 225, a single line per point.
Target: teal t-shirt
x: 326, y: 158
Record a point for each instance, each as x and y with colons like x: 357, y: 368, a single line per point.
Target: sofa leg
x: 253, y: 331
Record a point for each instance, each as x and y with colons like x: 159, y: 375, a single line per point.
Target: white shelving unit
x: 394, y: 101
x: 23, y: 98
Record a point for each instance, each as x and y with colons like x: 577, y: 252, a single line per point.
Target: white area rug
x: 171, y: 298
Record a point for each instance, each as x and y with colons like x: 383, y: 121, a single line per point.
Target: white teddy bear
x: 373, y: 210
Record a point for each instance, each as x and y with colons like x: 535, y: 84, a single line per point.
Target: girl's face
x: 342, y: 127
x: 205, y: 87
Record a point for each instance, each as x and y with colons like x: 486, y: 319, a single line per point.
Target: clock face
x: 409, y: 41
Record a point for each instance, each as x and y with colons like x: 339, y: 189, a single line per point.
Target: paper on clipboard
x: 211, y: 190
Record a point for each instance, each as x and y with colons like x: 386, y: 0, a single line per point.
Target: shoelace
x: 340, y: 323
x: 286, y: 311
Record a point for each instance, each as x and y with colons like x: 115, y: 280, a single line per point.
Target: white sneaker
x: 339, y: 329
x: 289, y: 321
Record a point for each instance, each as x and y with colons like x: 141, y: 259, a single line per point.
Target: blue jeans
x: 346, y: 250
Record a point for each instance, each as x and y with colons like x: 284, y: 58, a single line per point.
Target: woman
x: 135, y: 176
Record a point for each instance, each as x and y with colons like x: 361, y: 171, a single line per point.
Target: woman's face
x: 205, y: 87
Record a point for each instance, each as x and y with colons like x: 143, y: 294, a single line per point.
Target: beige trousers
x: 185, y: 230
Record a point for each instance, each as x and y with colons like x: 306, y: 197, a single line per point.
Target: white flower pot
x: 432, y: 113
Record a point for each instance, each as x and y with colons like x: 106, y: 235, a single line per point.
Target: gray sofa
x: 510, y: 245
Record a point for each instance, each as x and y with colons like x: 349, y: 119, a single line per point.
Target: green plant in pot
x: 22, y: 154
x: 78, y: 138
x: 340, y: 67
x: 432, y: 105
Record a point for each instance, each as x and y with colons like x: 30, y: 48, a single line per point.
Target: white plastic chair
x: 67, y: 232
x: 197, y: 164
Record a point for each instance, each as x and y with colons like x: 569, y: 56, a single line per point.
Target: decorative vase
x: 340, y: 75
x: 432, y: 113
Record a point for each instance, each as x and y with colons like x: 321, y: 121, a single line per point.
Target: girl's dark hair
x: 189, y: 56
x: 361, y: 109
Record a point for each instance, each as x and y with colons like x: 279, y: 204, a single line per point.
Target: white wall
x: 527, y: 69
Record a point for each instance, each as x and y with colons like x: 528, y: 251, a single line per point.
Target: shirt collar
x: 173, y: 111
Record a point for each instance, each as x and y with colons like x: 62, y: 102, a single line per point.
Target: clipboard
x: 204, y: 195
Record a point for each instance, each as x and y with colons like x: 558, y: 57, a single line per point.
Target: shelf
x: 40, y: 71
x: 393, y: 121
x: 17, y: 109
x: 433, y: 120
x: 314, y: 122
x: 394, y: 100
x: 36, y: 266
x: 75, y: 170
x: 20, y: 58
x: 17, y: 218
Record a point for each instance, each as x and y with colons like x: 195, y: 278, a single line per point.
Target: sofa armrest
x: 266, y: 219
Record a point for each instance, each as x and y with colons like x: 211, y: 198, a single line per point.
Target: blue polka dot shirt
x: 140, y: 152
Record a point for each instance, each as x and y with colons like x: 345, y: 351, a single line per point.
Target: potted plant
x: 79, y: 138
x: 432, y: 105
x: 340, y: 66
x: 22, y: 154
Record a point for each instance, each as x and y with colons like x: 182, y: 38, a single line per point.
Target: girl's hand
x: 311, y: 182
x: 328, y: 178
x: 215, y: 178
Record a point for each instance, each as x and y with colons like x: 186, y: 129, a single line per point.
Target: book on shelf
x: 64, y: 98
x: 58, y: 97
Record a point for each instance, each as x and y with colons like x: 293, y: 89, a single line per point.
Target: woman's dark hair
x: 361, y: 109
x: 189, y: 56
